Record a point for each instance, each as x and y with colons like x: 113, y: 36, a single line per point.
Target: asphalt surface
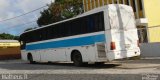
x: 145, y: 69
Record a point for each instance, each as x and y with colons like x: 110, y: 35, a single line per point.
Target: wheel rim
x: 30, y: 59
x: 78, y: 58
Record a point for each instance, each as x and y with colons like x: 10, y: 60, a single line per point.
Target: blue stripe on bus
x: 68, y: 43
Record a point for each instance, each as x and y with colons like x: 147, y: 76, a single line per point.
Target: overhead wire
x: 29, y: 13
x: 23, y: 24
x: 23, y: 14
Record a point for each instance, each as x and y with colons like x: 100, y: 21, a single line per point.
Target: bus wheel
x: 77, y: 59
x: 30, y: 58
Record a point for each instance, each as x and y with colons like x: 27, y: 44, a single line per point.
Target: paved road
x: 119, y: 70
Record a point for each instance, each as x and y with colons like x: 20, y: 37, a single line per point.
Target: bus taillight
x: 113, y: 46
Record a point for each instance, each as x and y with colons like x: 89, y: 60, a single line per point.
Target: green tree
x: 45, y: 18
x: 60, y: 10
x: 72, y: 8
x: 8, y: 36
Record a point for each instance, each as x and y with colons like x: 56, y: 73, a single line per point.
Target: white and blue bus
x: 100, y: 35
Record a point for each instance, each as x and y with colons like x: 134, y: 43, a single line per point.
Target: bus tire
x: 30, y: 58
x: 77, y: 58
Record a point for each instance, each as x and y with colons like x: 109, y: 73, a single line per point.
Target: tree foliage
x: 8, y: 36
x: 45, y: 18
x: 60, y: 10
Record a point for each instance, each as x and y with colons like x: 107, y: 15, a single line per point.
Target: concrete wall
x: 152, y: 13
x: 150, y: 49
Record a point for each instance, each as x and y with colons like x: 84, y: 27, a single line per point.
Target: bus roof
x: 99, y: 9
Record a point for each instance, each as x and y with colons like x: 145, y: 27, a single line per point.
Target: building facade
x: 147, y: 14
x: 9, y: 49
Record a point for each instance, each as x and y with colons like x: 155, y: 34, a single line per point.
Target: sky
x: 13, y: 8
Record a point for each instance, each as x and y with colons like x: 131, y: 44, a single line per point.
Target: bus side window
x: 43, y: 33
x: 52, y: 32
x: 78, y: 26
x: 60, y: 31
x: 68, y: 28
x: 38, y: 38
x: 81, y: 25
x: 64, y: 29
x: 84, y: 25
x: 101, y: 21
x: 90, y: 24
x: 35, y: 34
x: 96, y: 20
x: 56, y: 31
x: 27, y: 38
x: 48, y: 31
x: 75, y: 27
